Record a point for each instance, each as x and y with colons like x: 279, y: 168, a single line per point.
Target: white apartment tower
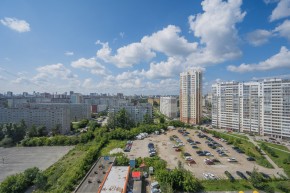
x: 191, y: 97
x: 168, y: 106
x: 261, y: 107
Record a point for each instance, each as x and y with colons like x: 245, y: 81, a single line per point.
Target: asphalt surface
x: 17, y: 159
x: 94, y: 178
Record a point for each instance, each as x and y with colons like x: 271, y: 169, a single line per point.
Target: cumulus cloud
x: 16, y: 24
x: 55, y: 71
x: 258, y: 37
x: 126, y: 56
x: 169, y: 42
x: 165, y: 69
x: 216, y: 28
x: 281, y: 11
x: 283, y: 30
x: 91, y: 63
x: 280, y: 60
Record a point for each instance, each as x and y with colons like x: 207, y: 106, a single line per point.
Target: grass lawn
x: 276, y: 146
x: 226, y: 185
x: 64, y: 166
x: 112, y: 145
x: 276, y: 184
x: 238, y: 135
x: 239, y: 185
x: 281, y: 156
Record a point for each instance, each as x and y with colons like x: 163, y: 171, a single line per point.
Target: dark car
x: 198, y: 152
x: 251, y: 159
x: 266, y: 176
x: 186, y: 154
x: 150, y: 145
x: 197, y: 142
x: 240, y: 151
x: 194, y: 147
x: 249, y: 173
x: 241, y: 175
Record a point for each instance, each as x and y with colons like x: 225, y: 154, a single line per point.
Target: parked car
x: 251, y: 159
x: 194, y: 147
x: 241, y: 175
x: 186, y: 154
x: 232, y: 159
x: 177, y: 149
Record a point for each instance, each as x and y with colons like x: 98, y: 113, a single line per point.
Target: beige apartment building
x: 191, y: 97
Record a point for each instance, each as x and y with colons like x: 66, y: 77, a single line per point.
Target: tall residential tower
x: 191, y: 97
x: 261, y: 107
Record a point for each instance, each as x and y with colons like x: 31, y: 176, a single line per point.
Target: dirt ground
x: 166, y: 152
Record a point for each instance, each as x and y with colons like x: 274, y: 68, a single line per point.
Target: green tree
x: 162, y: 120
x: 40, y: 181
x: 32, y: 132
x: 147, y: 119
x: 56, y: 130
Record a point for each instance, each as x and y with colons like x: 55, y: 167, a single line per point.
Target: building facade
x: 168, y: 106
x: 48, y: 117
x: 136, y: 112
x: 261, y: 107
x: 190, y: 98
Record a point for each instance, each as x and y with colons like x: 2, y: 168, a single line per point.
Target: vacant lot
x: 17, y: 159
x: 166, y: 152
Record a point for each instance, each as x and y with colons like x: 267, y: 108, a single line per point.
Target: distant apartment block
x: 48, y: 117
x: 262, y: 107
x: 46, y: 114
x: 168, y: 106
x: 136, y: 112
x: 190, y: 98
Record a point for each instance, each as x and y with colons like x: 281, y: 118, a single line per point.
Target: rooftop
x: 116, y: 181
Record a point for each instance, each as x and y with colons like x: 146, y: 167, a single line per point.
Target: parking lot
x: 17, y: 159
x: 166, y: 151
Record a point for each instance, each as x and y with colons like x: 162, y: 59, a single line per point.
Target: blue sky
x: 139, y: 47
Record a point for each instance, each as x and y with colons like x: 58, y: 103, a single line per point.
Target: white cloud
x: 280, y: 60
x: 55, y: 71
x: 217, y: 31
x: 283, y: 30
x: 165, y: 69
x: 169, y: 42
x: 126, y: 56
x: 91, y: 63
x: 258, y: 37
x: 281, y: 11
x: 16, y: 24
x: 84, y: 63
x: 68, y: 53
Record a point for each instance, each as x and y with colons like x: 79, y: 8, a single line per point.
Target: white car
x: 181, y: 144
x: 175, y: 146
x: 205, y: 175
x: 188, y: 158
x: 208, y: 154
x: 232, y: 159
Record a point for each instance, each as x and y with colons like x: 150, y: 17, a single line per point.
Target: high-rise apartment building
x: 261, y: 107
x: 190, y: 98
x: 168, y: 106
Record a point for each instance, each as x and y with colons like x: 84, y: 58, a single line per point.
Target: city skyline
x: 139, y: 47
